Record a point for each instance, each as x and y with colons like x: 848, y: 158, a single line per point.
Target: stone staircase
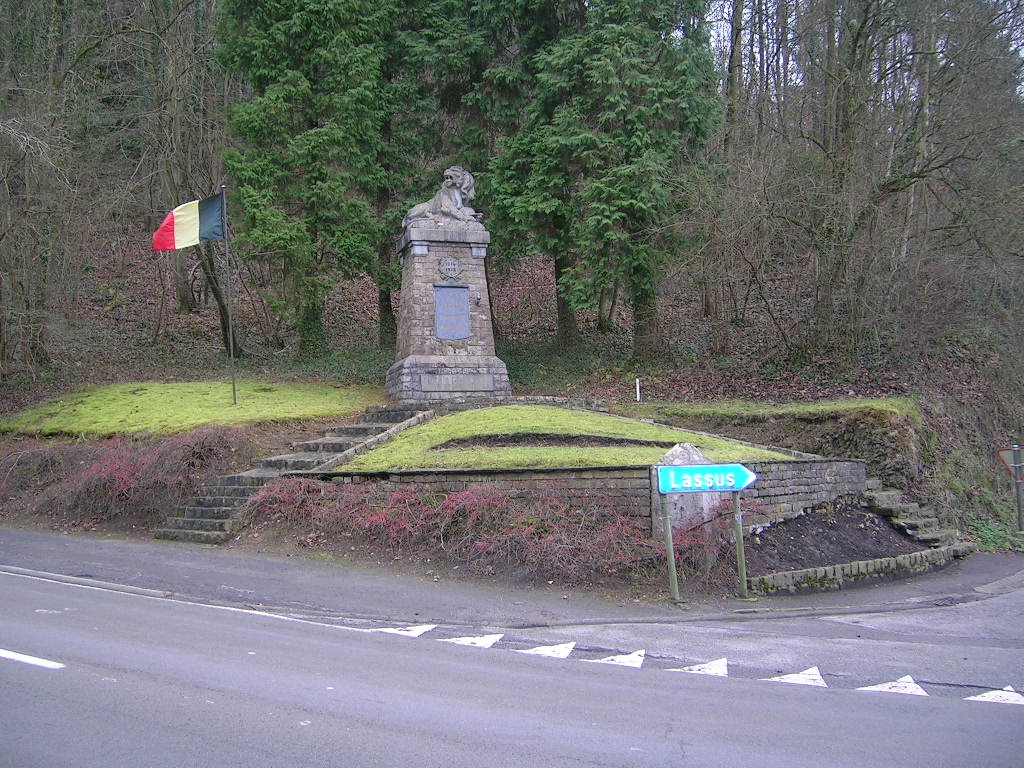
x: 923, y: 525
x: 212, y: 517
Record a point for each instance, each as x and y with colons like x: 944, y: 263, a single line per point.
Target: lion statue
x: 447, y: 208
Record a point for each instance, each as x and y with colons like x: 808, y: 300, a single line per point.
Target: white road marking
x: 718, y: 667
x: 903, y: 685
x: 560, y: 651
x: 483, y: 641
x: 407, y: 631
x: 35, y: 661
x: 810, y: 676
x: 634, y: 659
x: 1005, y: 696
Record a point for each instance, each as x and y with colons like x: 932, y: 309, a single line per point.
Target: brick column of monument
x: 445, y: 347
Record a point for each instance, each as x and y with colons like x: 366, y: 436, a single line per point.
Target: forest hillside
x: 757, y: 199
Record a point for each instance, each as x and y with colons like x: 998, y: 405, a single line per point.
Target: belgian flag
x: 191, y: 223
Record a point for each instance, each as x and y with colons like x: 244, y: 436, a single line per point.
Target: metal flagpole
x: 227, y: 298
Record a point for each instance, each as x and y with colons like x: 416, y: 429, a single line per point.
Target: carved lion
x: 447, y: 207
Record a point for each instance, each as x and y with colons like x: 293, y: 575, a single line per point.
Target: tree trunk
x: 568, y: 329
x: 387, y: 330
x: 734, y: 71
x: 387, y: 324
x: 228, y: 331
x: 186, y: 301
x: 646, y: 337
x: 312, y: 335
x: 606, y: 304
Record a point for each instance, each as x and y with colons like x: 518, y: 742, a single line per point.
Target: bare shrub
x: 704, y: 551
x: 136, y: 480
x: 534, y: 535
x: 32, y: 464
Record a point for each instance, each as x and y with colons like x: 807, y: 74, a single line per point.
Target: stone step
x: 200, y: 524
x: 885, y: 499
x: 903, y: 509
x: 358, y: 431
x: 229, y: 491
x: 197, y: 537
x: 938, y: 538
x: 327, y: 445
x: 288, y: 461
x: 210, y: 518
x: 913, y: 525
x: 253, y: 478
x: 193, y: 512
x: 219, y: 502
x: 389, y: 415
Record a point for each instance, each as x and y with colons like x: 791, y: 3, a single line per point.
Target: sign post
x: 704, y: 478
x: 1011, y: 457
x: 737, y: 532
x: 670, y: 548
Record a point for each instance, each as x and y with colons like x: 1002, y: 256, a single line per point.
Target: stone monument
x: 445, y: 348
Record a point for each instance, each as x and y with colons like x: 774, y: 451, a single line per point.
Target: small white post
x: 638, y: 390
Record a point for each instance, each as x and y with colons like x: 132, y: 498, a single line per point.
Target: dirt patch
x: 829, y: 536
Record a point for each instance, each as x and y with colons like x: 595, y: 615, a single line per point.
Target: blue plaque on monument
x: 451, y: 312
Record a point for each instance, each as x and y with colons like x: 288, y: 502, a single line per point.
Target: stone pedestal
x: 445, y: 348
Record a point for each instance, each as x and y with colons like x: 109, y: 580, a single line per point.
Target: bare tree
x: 859, y: 146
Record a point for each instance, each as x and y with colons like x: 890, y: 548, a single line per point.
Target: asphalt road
x: 298, y: 663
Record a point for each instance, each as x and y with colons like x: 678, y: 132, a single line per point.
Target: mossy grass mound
x: 423, y: 447
x: 739, y: 410
x: 171, y: 408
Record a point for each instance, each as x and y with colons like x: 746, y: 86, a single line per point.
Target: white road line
x: 810, y: 676
x: 905, y: 685
x: 416, y: 631
x: 483, y: 641
x: 33, y: 660
x: 560, y: 651
x: 1005, y: 696
x: 634, y: 659
x: 718, y: 667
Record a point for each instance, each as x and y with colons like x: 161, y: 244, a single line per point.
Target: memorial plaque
x: 451, y: 312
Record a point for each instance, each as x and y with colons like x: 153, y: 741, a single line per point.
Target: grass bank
x: 173, y: 408
x: 423, y: 447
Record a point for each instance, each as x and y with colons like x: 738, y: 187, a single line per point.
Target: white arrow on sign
x: 704, y: 478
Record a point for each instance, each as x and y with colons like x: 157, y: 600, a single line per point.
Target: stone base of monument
x: 436, y: 378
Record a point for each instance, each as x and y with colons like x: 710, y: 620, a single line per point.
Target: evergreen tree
x: 334, y: 129
x: 617, y: 100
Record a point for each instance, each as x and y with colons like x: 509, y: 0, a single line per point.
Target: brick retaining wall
x: 784, y: 489
x: 623, y: 489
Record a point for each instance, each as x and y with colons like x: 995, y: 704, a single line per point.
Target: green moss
x: 996, y: 535
x: 905, y: 407
x: 416, y: 448
x: 164, y: 409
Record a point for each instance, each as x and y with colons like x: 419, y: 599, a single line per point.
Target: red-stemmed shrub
x: 136, y: 480
x: 490, y: 530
